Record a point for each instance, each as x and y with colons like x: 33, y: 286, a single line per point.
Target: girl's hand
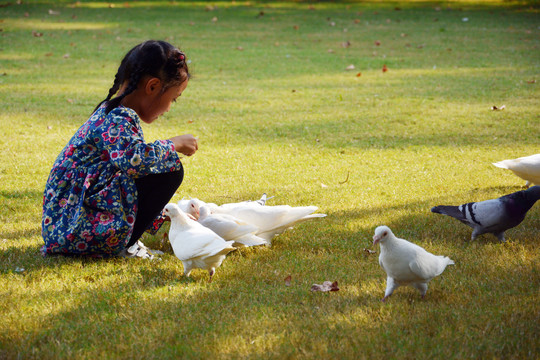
x: 185, y: 144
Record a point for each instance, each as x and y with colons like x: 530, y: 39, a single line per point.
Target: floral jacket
x: 90, y: 199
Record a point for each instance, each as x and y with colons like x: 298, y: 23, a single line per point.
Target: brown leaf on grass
x: 26, y: 14
x: 296, y: 27
x: 49, y: 54
x: 384, y: 68
x: 69, y: 101
x: 359, y: 74
x: 369, y: 251
x: 214, y: 19
x: 357, y: 21
x: 52, y: 12
x: 37, y: 34
x: 346, y: 44
x: 531, y: 81
x: 326, y: 286
x: 66, y: 56
x: 498, y: 108
x: 288, y: 280
x: 377, y: 43
x: 350, y: 67
x: 239, y: 48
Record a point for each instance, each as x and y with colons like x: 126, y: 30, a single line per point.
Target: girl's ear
x: 152, y: 86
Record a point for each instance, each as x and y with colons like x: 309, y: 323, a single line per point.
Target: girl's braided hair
x: 155, y: 58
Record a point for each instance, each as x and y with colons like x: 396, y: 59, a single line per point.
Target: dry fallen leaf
x: 346, y: 44
x: 359, y: 74
x: 288, y: 280
x: 498, y: 108
x: 52, y: 12
x: 384, y: 68
x: 531, y: 81
x: 377, y: 43
x: 214, y: 19
x: 350, y: 67
x: 37, y: 34
x: 369, y: 251
x: 326, y: 286
x: 239, y: 48
x: 296, y: 27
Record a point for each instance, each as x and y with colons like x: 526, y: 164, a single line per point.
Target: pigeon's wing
x: 268, y: 235
x: 426, y: 265
x: 486, y: 213
x: 196, y: 242
x: 250, y: 240
x: 228, y: 227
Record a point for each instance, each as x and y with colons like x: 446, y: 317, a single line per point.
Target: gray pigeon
x: 493, y: 216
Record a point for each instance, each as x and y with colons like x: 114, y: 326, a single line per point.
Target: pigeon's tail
x: 443, y: 263
x: 452, y: 211
x: 501, y: 164
x: 262, y: 200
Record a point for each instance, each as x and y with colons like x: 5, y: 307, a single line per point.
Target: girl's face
x: 160, y: 102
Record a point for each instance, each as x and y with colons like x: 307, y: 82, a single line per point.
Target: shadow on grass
x: 177, y: 314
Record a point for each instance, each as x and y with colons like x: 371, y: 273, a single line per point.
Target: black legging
x: 154, y: 192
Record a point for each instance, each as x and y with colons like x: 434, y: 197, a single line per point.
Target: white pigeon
x: 406, y: 263
x: 527, y: 168
x: 192, y: 205
x: 270, y: 220
x: 230, y: 228
x: 195, y: 245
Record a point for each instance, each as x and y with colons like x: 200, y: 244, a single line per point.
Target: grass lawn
x: 277, y: 111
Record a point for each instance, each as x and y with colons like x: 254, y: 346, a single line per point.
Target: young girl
x: 108, y: 185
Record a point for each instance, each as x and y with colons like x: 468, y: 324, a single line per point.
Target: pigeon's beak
x: 376, y: 239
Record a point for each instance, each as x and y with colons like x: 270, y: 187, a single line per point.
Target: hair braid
x: 134, y: 78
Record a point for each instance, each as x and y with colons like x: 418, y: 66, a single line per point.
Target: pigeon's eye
x: 384, y: 233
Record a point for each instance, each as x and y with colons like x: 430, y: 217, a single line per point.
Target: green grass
x: 283, y: 116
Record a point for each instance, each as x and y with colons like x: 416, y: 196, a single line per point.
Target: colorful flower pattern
x: 90, y: 199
